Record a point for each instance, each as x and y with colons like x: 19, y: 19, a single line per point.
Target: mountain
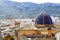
x: 10, y: 9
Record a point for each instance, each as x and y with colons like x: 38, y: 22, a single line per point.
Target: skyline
x: 38, y: 1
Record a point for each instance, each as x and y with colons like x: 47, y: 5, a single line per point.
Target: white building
x: 57, y: 35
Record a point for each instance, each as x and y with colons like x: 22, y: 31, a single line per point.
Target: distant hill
x: 9, y: 9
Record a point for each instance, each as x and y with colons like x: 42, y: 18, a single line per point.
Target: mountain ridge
x: 27, y: 9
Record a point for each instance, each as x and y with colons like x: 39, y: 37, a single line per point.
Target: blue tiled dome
x: 43, y: 19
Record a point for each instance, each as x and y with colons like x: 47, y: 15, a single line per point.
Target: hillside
x: 9, y: 9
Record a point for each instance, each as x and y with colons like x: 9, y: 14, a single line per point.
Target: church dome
x: 43, y: 19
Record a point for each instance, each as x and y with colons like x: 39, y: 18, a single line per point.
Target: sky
x: 38, y: 1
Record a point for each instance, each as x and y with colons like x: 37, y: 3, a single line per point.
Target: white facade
x: 57, y: 35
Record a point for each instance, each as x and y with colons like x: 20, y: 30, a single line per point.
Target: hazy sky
x: 38, y: 1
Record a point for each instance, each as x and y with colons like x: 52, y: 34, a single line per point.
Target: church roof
x: 43, y: 19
